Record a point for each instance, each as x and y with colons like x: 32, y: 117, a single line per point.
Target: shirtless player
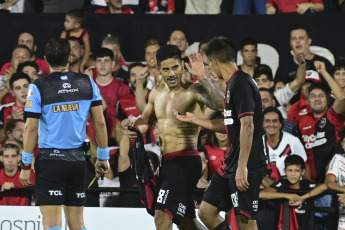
x: 181, y: 163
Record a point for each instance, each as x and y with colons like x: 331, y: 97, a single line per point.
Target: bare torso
x: 175, y: 135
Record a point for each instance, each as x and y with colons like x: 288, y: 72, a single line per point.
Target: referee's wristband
x: 27, y: 157
x: 103, y: 154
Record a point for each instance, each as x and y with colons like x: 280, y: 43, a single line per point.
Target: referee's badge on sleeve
x: 28, y: 103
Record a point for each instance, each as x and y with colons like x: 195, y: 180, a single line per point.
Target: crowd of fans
x: 303, y: 113
x: 175, y: 6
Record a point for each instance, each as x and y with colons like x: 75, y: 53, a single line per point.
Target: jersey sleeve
x: 96, y: 94
x: 280, y: 186
x: 334, y: 166
x: 299, y: 149
x: 244, y: 98
x: 33, y: 103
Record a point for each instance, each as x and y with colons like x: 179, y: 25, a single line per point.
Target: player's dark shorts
x: 178, y: 176
x: 223, y: 194
x: 60, y: 177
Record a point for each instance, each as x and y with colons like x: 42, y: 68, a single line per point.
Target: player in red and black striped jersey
x: 320, y: 128
x: 237, y: 182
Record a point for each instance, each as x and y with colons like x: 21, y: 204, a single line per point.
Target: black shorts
x: 60, y: 181
x: 177, y: 181
x: 223, y: 194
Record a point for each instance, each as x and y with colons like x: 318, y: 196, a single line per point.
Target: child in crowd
x: 301, y: 211
x: 73, y: 27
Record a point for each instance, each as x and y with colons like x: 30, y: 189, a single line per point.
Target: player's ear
x: 303, y: 172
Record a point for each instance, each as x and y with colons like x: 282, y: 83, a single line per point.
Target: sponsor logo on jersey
x: 67, y: 88
x: 255, y: 205
x: 65, y: 108
x: 279, y: 185
x: 228, y: 121
x: 228, y: 96
x: 303, y: 112
x: 66, y: 85
x: 314, y: 140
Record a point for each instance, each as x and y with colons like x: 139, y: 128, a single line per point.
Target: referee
x: 56, y: 109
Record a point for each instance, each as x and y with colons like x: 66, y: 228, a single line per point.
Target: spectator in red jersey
x: 9, y: 178
x: 21, y: 53
x: 216, y: 146
x: 299, y: 6
x: 320, y: 128
x: 31, y: 69
x: 161, y: 6
x: 115, y: 7
x: 28, y: 39
x: 112, y: 89
x: 19, y: 84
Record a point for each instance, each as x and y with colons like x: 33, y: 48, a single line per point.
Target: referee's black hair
x: 17, y: 76
x: 166, y: 52
x: 57, y: 52
x: 222, y: 49
x: 274, y: 110
x: 294, y: 160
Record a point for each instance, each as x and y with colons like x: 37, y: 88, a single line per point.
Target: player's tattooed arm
x: 205, y: 98
x: 215, y: 93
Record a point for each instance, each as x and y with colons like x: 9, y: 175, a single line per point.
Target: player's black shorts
x: 179, y: 174
x: 223, y: 194
x: 60, y: 177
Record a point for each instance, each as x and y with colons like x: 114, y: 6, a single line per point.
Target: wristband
x: 27, y: 157
x: 103, y: 154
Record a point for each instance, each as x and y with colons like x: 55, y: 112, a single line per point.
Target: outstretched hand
x: 189, y: 117
x: 196, y: 66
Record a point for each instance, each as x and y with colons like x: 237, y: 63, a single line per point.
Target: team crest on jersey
x: 322, y: 123
x: 228, y: 96
x: 28, y: 103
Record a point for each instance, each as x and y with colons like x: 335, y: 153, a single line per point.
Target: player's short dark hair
x: 300, y: 27
x: 317, y: 85
x: 263, y: 69
x: 152, y: 42
x: 222, y: 49
x: 294, y: 160
x: 19, y: 143
x: 248, y: 41
x: 22, y: 47
x: 202, y: 42
x: 11, y: 124
x: 22, y: 65
x: 166, y: 52
x: 17, y: 76
x: 339, y: 64
x: 135, y: 64
x: 77, y: 15
x: 269, y: 91
x: 57, y: 51
x: 9, y: 146
x: 104, y: 52
x: 273, y: 110
x: 79, y: 40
